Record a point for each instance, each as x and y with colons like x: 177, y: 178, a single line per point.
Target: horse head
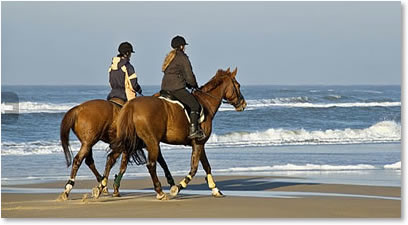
x: 233, y: 92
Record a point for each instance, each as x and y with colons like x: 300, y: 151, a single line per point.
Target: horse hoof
x: 116, y: 194
x: 62, y: 197
x: 162, y: 196
x: 96, y: 192
x: 105, y: 191
x: 217, y: 193
x: 174, y: 190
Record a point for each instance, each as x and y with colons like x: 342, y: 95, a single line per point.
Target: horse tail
x: 66, y: 124
x: 126, y: 136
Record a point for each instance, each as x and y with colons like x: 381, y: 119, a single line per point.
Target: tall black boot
x: 195, y: 130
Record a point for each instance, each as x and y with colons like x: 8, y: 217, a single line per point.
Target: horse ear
x: 228, y: 70
x: 234, y: 73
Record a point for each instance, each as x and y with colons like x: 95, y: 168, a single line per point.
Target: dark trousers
x: 187, y: 98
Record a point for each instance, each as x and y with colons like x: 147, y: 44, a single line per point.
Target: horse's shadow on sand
x: 240, y: 184
x: 248, y: 184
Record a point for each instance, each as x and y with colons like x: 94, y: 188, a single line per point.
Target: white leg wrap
x: 184, y: 183
x: 105, y: 182
x: 160, y: 196
x: 210, y: 180
x: 69, y: 187
x: 215, y: 191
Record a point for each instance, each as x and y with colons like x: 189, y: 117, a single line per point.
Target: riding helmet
x: 125, y: 47
x: 178, y: 41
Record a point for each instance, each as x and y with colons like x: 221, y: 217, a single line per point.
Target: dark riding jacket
x: 178, y: 74
x: 123, y: 79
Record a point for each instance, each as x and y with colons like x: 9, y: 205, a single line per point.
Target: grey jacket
x: 178, y: 73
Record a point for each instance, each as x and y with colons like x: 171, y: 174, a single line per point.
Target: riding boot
x: 195, y: 130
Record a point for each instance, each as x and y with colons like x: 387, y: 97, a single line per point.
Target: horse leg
x: 154, y: 150
x: 83, y: 152
x: 195, y: 157
x: 110, y: 161
x: 166, y: 170
x: 210, y: 181
x: 91, y: 164
x: 118, y: 177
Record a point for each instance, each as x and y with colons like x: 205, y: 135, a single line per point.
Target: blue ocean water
x: 285, y: 129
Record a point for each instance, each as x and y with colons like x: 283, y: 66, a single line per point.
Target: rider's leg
x: 188, y: 99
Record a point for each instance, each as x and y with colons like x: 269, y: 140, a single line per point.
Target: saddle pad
x: 202, y: 116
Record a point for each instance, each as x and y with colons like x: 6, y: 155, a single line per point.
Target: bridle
x: 240, y: 99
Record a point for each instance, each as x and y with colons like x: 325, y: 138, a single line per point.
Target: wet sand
x: 275, y: 199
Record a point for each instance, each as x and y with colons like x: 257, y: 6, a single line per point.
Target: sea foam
x: 395, y: 166
x: 39, y: 107
x: 293, y: 102
x: 382, y: 132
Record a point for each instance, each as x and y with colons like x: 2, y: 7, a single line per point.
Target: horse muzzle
x: 241, y: 106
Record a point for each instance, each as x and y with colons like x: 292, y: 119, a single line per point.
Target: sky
x: 271, y: 43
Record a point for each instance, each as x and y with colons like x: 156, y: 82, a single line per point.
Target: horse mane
x: 215, y: 81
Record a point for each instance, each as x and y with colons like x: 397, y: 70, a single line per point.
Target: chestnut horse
x: 153, y: 120
x: 91, y: 122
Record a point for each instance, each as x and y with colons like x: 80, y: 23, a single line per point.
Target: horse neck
x: 212, y: 99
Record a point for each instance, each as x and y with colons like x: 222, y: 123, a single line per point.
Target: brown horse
x: 91, y: 122
x: 153, y: 120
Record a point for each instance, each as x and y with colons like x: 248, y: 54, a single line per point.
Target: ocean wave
x: 39, y: 107
x: 306, y: 167
x: 333, y: 97
x: 369, y: 91
x: 382, y: 132
x: 290, y: 102
x: 395, y: 166
x: 264, y: 103
x: 43, y: 147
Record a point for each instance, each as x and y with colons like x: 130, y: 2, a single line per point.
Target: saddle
x: 167, y: 96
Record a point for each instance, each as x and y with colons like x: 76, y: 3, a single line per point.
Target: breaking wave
x: 43, y: 147
x: 395, y: 166
x: 302, y: 102
x: 294, y: 102
x: 39, y: 107
x: 382, y: 132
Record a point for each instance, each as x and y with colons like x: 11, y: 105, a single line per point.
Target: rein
x: 237, y: 104
x: 219, y: 99
x: 240, y: 98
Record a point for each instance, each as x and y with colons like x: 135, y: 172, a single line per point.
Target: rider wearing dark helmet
x: 178, y: 74
x: 122, y: 76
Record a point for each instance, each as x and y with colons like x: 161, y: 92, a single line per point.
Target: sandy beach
x: 246, y: 197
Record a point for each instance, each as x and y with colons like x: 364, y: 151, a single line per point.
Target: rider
x: 178, y: 74
x: 122, y: 76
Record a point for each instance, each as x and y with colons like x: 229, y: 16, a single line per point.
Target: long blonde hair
x: 169, y: 58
